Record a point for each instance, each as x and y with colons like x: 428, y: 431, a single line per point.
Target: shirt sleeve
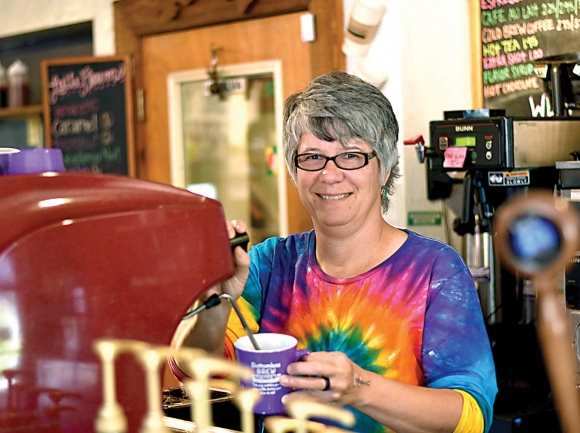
x: 456, y: 353
x: 471, y: 420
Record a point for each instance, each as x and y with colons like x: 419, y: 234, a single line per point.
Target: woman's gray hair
x: 342, y: 107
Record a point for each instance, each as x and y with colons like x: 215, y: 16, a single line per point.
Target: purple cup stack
x: 5, y: 153
x: 31, y: 161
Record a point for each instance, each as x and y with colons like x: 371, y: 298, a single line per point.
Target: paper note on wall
x: 454, y: 157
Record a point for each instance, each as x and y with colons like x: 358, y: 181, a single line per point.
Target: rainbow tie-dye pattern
x: 415, y: 318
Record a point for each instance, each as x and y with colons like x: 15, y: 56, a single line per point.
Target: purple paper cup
x: 4, y: 158
x: 276, y: 352
x: 29, y: 161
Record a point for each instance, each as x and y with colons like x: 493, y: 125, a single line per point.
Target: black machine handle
x: 473, y: 194
x: 241, y: 239
x: 485, y: 209
x: 466, y: 224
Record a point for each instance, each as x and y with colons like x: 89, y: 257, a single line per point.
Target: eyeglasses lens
x: 346, y: 161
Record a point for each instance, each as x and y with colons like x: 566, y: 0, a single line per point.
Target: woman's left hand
x: 326, y: 376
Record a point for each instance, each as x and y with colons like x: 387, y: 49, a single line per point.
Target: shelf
x: 20, y: 112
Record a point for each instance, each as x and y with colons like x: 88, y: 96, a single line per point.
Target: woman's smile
x: 334, y: 196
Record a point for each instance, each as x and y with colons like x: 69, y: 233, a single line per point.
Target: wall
x: 437, y: 78
x: 29, y: 16
x: 423, y: 46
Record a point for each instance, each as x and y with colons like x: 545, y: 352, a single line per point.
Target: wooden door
x: 260, y: 31
x: 238, y: 43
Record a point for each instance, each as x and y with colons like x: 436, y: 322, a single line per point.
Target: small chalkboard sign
x: 516, y: 35
x: 88, y: 112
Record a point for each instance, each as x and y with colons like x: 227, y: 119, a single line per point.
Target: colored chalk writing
x: 87, y: 113
x: 516, y: 35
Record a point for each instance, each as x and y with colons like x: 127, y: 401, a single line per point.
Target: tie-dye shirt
x: 415, y: 318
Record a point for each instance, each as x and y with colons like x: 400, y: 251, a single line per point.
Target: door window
x: 226, y: 143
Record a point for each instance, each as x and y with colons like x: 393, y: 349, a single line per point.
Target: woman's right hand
x: 235, y: 285
x: 209, y: 330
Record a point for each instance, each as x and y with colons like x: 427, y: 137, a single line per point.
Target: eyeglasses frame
x: 368, y: 157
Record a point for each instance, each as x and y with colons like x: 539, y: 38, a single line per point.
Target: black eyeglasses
x: 344, y: 161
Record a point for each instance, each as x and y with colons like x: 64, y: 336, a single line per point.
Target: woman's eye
x: 312, y: 157
x: 350, y: 155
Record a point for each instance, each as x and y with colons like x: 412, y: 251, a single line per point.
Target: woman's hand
x: 235, y: 285
x: 209, y: 330
x: 333, y: 370
x: 399, y: 406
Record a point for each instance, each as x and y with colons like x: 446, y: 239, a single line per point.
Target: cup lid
x: 6, y: 150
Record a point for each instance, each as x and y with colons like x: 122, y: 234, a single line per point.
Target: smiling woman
x: 392, y: 319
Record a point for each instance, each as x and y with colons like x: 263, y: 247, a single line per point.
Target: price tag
x: 454, y: 157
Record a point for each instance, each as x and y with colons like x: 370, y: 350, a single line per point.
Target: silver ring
x: 327, y: 383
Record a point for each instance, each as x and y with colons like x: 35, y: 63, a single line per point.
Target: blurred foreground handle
x: 537, y: 235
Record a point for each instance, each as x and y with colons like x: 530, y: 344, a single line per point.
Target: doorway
x: 268, y: 31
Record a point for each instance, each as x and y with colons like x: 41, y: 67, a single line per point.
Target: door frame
x: 174, y: 81
x: 136, y: 19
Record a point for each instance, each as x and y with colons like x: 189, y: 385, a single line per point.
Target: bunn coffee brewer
x: 487, y: 159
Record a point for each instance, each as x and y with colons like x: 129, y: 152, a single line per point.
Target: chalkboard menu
x: 88, y: 113
x: 516, y: 36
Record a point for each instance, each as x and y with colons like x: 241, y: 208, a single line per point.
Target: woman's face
x: 336, y: 197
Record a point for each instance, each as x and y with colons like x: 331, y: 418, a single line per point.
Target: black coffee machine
x: 479, y: 159
x: 492, y: 159
x: 569, y: 188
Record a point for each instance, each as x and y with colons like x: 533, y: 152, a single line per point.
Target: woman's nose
x: 331, y: 170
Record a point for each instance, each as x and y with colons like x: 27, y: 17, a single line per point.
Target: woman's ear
x: 386, y: 178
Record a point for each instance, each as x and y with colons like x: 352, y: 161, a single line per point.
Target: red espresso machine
x: 84, y: 257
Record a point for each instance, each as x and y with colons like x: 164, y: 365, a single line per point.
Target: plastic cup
x: 4, y: 158
x: 30, y: 161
